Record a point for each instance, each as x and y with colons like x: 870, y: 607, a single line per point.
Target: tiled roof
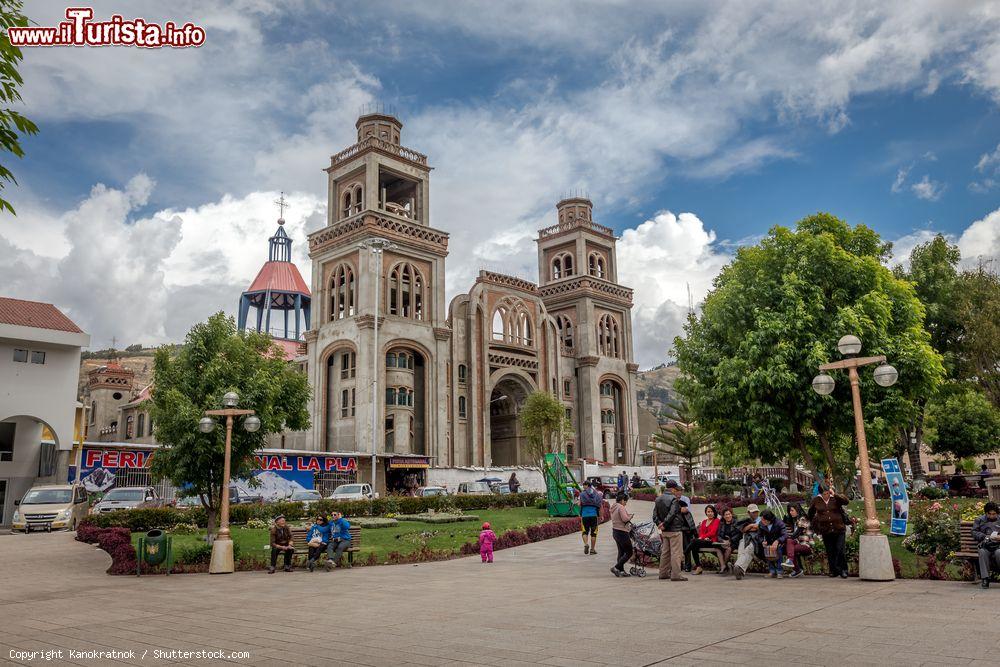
x: 279, y: 277
x: 35, y: 314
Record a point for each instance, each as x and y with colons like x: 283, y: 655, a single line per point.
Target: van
x: 55, y: 506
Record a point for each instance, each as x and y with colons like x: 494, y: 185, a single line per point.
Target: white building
x: 39, y: 372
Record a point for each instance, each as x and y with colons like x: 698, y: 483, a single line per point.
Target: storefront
x: 278, y: 474
x: 404, y: 474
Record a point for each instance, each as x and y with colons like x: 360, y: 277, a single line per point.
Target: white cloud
x: 989, y: 167
x: 661, y: 259
x: 981, y: 241
x: 897, y: 185
x: 927, y: 189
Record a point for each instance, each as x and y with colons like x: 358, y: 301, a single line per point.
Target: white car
x: 474, y: 489
x: 353, y: 492
x: 428, y: 491
x: 307, y: 498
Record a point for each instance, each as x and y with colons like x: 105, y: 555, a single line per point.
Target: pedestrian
x: 590, y: 510
x: 826, y: 516
x: 281, y: 543
x: 690, y: 529
x: 621, y: 522
x: 514, y: 483
x: 486, y: 539
x: 730, y: 536
x: 622, y: 480
x: 668, y: 518
x: 707, y: 537
x: 800, y: 539
x: 772, y: 538
x: 984, y: 472
x: 749, y: 545
x: 317, y: 539
x: 986, y: 533
x: 340, y: 540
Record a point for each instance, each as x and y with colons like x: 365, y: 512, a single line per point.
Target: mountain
x: 655, y: 388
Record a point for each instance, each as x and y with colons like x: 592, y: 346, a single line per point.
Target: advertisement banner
x: 897, y: 493
x: 277, y: 475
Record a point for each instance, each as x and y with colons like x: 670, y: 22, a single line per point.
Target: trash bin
x: 154, y: 548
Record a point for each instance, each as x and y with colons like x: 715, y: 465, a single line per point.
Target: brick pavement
x: 543, y: 603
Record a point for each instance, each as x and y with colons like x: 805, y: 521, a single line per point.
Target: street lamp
x: 376, y: 246
x: 222, y: 545
x: 874, y: 559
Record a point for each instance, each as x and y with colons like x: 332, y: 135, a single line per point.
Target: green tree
x: 963, y: 423
x: 977, y: 305
x: 544, y: 423
x: 216, y: 359
x: 774, y: 314
x: 13, y: 124
x: 683, y: 438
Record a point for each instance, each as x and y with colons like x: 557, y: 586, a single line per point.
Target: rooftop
x: 35, y: 314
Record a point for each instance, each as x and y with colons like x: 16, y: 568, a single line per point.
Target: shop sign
x: 409, y: 462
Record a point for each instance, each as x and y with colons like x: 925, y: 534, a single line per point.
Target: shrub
x: 117, y: 541
x: 541, y: 502
x: 258, y: 523
x: 724, y: 487
x: 185, y: 529
x: 438, y: 517
x: 935, y: 530
x: 373, y: 522
x: 194, y: 554
x: 932, y: 493
x: 777, y: 483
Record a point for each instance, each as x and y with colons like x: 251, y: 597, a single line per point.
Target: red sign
x: 113, y: 458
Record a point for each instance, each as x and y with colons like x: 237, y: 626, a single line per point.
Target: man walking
x: 590, y: 510
x: 667, y: 516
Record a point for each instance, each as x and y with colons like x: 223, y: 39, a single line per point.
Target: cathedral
x: 451, y: 377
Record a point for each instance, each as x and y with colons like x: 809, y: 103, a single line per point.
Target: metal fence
x: 142, y: 477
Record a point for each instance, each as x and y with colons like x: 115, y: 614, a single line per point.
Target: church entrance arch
x: 507, y: 443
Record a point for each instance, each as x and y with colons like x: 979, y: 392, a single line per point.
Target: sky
x: 145, y: 201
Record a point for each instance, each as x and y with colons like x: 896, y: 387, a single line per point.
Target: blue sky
x: 694, y: 127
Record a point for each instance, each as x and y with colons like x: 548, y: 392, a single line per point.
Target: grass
x: 406, y: 537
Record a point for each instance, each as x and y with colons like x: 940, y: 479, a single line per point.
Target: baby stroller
x: 645, y: 539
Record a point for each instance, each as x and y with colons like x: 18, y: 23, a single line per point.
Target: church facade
x: 452, y: 376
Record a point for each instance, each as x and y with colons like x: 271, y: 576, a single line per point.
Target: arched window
x: 347, y: 205
x: 461, y: 407
x: 596, y: 265
x: 462, y: 373
x: 401, y: 396
x: 358, y: 199
x: 129, y: 424
x: 609, y: 337
x: 343, y: 295
x: 557, y: 268
x: 390, y: 360
x: 568, y: 265
x: 348, y: 365
x: 390, y: 433
x: 512, y: 322
x: 562, y: 266
x: 406, y: 296
x: 390, y: 396
x: 500, y: 323
x: 564, y: 327
x: 140, y: 425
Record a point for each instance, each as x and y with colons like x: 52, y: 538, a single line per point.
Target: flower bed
x: 117, y: 541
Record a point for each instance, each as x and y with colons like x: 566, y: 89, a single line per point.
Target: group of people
x: 331, y: 536
x: 780, y: 543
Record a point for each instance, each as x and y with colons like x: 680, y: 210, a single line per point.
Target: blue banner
x: 897, y: 493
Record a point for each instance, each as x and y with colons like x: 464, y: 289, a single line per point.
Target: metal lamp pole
x: 222, y: 545
x: 875, y: 561
x: 376, y: 246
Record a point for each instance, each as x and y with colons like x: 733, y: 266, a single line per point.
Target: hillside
x: 140, y: 362
x: 655, y: 388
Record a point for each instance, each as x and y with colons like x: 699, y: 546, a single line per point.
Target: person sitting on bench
x: 317, y: 539
x: 340, y: 539
x: 281, y: 543
x: 986, y: 533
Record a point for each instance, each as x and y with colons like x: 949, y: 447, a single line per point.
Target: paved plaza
x: 544, y: 603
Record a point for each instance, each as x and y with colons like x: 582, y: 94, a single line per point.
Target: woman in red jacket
x: 708, y: 535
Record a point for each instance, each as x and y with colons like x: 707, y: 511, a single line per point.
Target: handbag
x: 771, y: 551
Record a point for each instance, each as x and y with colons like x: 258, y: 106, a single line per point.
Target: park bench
x: 302, y: 548
x: 967, y: 548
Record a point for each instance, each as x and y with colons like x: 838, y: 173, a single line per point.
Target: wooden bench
x: 302, y: 548
x: 968, y: 549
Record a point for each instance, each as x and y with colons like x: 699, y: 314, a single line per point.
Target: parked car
x: 353, y: 492
x: 239, y: 497
x: 606, y: 484
x: 502, y: 488
x: 474, y: 489
x: 428, y: 491
x: 48, y: 507
x: 125, y: 498
x: 490, y: 480
x: 187, y: 502
x: 307, y: 498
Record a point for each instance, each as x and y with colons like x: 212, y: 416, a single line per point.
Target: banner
x: 897, y: 493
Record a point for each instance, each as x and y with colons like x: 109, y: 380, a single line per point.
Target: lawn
x: 404, y: 538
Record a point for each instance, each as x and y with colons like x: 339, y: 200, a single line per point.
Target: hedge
x: 140, y: 520
x: 117, y: 541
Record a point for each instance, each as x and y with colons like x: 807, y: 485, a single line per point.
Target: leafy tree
x: 216, y: 359
x: 774, y: 315
x: 13, y: 125
x: 977, y: 305
x: 963, y: 423
x: 543, y: 420
x: 683, y: 438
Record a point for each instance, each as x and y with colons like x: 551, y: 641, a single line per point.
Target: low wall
x: 531, y: 478
x: 645, y: 472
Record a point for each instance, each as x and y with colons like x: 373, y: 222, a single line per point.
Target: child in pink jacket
x: 486, y: 539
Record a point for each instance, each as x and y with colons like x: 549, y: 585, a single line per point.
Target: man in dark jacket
x: 590, y: 516
x: 986, y: 533
x: 281, y: 543
x: 668, y: 518
x: 826, y: 516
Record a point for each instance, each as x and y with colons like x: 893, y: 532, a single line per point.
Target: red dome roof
x: 279, y: 277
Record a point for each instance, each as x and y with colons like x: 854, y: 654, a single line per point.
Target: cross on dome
x: 282, y: 205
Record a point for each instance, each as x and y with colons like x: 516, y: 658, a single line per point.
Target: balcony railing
x: 576, y: 224
x: 380, y: 144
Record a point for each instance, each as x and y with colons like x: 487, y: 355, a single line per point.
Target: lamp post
x: 376, y: 246
x: 875, y: 558
x: 222, y: 545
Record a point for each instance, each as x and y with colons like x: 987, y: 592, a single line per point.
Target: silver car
x: 125, y: 498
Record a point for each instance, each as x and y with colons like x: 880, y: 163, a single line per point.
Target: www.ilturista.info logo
x: 79, y: 30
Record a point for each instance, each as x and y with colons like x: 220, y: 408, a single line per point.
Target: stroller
x: 645, y: 539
